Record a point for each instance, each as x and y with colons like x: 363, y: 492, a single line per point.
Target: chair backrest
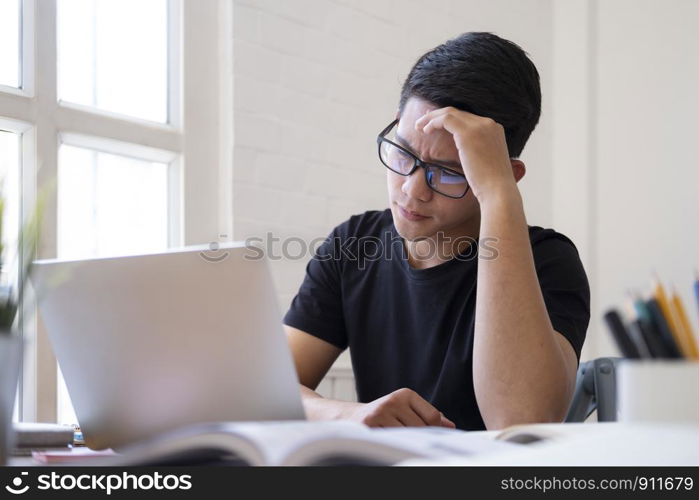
x: 595, y: 389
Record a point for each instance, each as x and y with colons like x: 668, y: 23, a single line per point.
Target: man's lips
x: 411, y: 215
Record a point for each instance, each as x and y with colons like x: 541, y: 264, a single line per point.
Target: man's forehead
x: 438, y: 143
x: 414, y: 108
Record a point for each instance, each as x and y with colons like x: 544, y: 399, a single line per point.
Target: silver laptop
x: 149, y: 343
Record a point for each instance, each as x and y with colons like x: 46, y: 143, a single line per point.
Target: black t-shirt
x: 414, y: 328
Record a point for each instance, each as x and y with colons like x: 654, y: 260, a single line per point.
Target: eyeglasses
x: 443, y: 180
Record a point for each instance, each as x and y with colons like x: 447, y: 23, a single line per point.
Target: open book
x: 301, y: 443
x: 588, y: 444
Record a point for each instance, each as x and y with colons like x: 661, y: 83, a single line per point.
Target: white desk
x: 598, y: 444
x: 593, y: 444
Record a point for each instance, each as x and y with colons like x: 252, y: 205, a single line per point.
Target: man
x: 458, y: 314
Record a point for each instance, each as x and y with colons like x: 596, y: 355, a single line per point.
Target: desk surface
x: 608, y: 444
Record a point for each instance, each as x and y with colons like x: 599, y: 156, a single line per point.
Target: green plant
x: 12, y: 286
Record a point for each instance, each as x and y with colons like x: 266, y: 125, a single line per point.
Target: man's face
x: 453, y: 217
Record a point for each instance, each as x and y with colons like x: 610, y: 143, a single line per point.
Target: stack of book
x: 30, y: 436
x: 655, y: 326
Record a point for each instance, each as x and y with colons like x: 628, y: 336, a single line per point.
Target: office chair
x: 595, y: 388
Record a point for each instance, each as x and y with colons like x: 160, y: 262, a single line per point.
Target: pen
x: 636, y: 330
x: 621, y: 335
x: 655, y: 344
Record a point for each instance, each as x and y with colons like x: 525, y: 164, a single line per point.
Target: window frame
x: 197, y: 142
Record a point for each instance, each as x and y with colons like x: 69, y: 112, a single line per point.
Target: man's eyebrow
x: 446, y: 163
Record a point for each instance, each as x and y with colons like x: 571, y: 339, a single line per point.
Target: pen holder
x: 658, y: 391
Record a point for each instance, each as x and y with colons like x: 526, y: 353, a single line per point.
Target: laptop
x: 150, y: 343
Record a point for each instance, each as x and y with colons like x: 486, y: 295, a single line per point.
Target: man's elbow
x: 548, y: 405
x: 502, y: 420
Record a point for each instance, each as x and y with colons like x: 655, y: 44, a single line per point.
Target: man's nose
x: 415, y: 186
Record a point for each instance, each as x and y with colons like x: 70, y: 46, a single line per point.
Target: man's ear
x: 518, y: 169
x: 398, y: 114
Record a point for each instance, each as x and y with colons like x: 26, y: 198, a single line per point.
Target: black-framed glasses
x: 443, y: 180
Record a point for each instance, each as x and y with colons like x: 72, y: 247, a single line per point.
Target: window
x: 10, y: 60
x: 93, y: 111
x: 9, y: 186
x: 110, y: 204
x: 100, y: 65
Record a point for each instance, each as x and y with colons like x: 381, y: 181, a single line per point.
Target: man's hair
x: 485, y: 75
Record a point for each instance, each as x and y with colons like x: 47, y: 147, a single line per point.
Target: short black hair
x: 483, y: 74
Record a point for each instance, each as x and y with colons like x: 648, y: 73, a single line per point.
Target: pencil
x: 681, y: 313
x: 673, y: 325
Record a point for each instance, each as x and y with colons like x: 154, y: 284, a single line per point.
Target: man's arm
x: 523, y: 370
x: 313, y: 358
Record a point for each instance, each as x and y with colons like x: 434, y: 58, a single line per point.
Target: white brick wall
x: 316, y: 80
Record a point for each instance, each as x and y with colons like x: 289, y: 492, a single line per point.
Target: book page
x: 276, y: 440
x: 432, y: 441
x: 389, y: 446
x: 253, y: 443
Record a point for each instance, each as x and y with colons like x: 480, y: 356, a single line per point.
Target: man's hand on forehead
x: 481, y: 144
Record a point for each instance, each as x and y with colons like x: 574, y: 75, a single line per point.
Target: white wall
x: 316, y: 80
x: 573, y: 98
x: 647, y: 167
x: 625, y: 79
